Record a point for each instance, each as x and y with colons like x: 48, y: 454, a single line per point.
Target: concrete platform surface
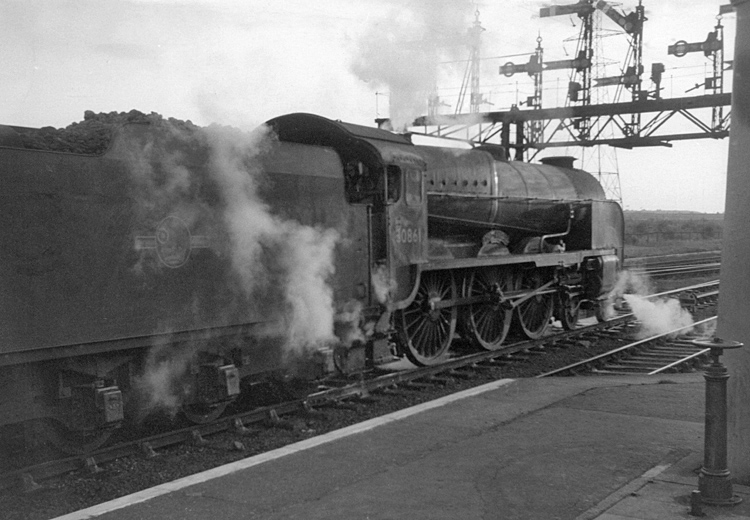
x: 584, y: 448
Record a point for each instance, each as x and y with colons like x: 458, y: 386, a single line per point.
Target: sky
x: 242, y: 62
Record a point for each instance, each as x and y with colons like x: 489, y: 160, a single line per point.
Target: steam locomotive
x: 120, y: 267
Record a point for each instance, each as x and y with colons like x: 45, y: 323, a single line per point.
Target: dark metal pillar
x: 505, y: 138
x: 734, y: 306
x: 714, y: 481
x: 520, y: 135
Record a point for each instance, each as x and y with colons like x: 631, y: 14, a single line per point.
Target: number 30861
x: 407, y: 235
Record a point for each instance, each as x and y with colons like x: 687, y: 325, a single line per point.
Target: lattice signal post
x: 712, y: 48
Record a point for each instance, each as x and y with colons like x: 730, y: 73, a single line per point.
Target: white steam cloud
x: 627, y: 282
x: 302, y: 255
x: 656, y: 316
x: 160, y: 385
x: 349, y: 324
x: 310, y: 265
x: 382, y: 284
x: 282, y: 267
x: 403, y: 52
x: 659, y: 316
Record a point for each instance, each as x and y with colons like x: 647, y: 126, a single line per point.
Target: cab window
x: 413, y: 186
x: 362, y: 186
x: 393, y: 184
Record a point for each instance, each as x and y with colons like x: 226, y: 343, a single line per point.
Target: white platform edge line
x: 627, y: 490
x: 233, y: 467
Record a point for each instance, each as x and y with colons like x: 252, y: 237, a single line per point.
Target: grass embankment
x: 654, y: 233
x: 672, y: 248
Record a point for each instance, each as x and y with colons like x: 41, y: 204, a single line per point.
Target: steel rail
x: 671, y: 260
x: 680, y: 361
x: 678, y: 270
x: 629, y: 346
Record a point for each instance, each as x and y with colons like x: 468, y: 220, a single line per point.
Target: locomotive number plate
x: 408, y: 235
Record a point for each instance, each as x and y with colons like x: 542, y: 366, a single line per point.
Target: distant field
x: 649, y: 233
x: 671, y: 248
x: 672, y: 215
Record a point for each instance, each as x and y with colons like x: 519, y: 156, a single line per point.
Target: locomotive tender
x: 103, y: 273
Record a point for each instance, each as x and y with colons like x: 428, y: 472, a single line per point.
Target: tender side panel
x: 89, y: 256
x: 91, y: 252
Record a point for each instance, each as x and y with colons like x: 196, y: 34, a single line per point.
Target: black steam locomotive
x: 133, y: 275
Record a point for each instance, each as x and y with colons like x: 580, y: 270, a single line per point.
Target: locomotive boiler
x: 177, y: 265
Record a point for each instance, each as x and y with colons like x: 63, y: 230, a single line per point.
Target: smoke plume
x: 403, y: 51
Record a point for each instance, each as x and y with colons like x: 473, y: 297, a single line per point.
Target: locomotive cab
x: 384, y: 181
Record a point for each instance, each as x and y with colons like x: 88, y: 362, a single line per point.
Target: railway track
x: 670, y: 350
x: 649, y: 356
x: 689, y: 264
x: 340, y: 392
x: 333, y: 392
x: 682, y: 270
x: 673, y: 260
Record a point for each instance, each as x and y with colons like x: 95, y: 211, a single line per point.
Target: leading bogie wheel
x: 602, y: 310
x: 426, y: 331
x: 567, y: 313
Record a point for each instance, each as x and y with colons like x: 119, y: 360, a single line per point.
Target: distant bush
x: 658, y: 230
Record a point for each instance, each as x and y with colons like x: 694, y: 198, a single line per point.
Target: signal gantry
x: 582, y: 123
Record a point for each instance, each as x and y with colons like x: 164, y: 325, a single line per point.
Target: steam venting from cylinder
x: 656, y: 316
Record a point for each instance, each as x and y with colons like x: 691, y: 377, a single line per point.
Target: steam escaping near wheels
x: 658, y: 316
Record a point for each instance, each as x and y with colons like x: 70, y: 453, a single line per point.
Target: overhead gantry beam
x: 495, y: 126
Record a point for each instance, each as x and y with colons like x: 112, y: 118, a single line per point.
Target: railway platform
x: 607, y: 448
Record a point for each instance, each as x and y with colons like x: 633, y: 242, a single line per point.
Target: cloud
x: 126, y: 51
x: 402, y: 51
